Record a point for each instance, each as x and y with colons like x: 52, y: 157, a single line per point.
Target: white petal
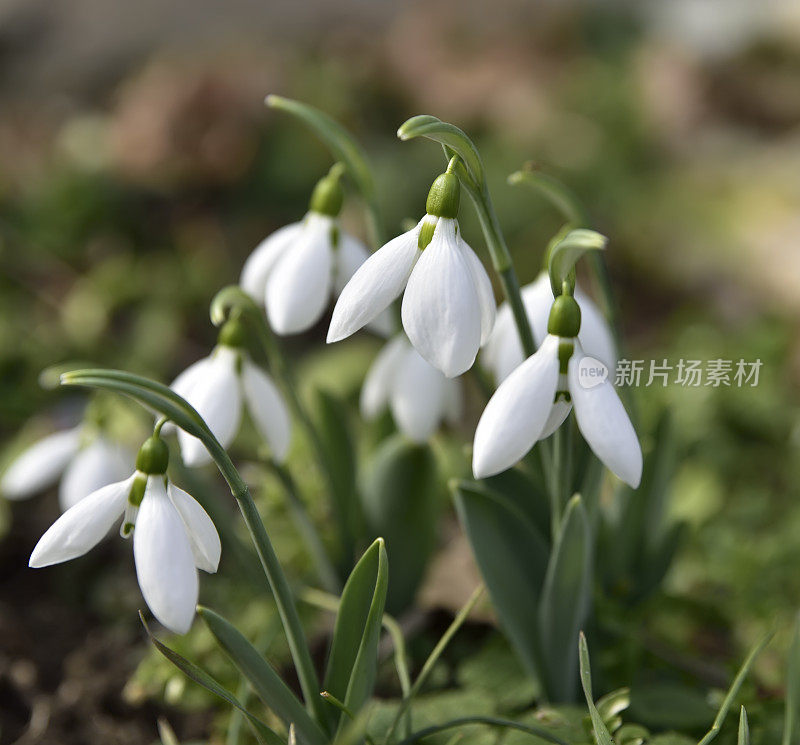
x: 483, y: 286
x: 203, y: 536
x: 164, y: 562
x: 380, y: 377
x: 349, y: 255
x: 40, y: 465
x: 558, y: 414
x: 595, y: 335
x: 267, y: 409
x: 218, y: 400
x: 604, y: 423
x: 98, y: 464
x: 517, y: 413
x: 261, y: 262
x: 538, y: 300
x: 441, y: 311
x: 418, y: 397
x: 193, y: 374
x: 299, y: 286
x: 503, y: 351
x: 83, y: 526
x: 376, y: 283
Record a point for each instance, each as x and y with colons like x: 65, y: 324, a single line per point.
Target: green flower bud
x: 328, y: 195
x: 565, y: 317
x: 153, y: 456
x: 232, y: 334
x: 444, y: 196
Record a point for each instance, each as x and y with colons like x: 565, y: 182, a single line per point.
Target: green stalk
x: 433, y: 658
x: 231, y: 300
x: 168, y: 403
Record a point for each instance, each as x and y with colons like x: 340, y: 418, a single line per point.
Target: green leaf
x: 448, y: 135
x: 341, y: 143
x: 263, y: 732
x: 744, y: 728
x: 565, y: 600
x: 565, y: 254
x: 601, y: 734
x: 402, y: 502
x: 352, y: 663
x: 734, y: 689
x: 792, y: 711
x: 612, y: 704
x: 632, y: 734
x: 669, y: 705
x: 512, y: 556
x: 337, y: 447
x: 265, y: 681
x: 558, y: 193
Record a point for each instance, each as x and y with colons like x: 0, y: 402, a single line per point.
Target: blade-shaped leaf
x: 744, y: 728
x: 265, y: 681
x: 402, y: 501
x: 448, y: 135
x: 201, y: 677
x: 568, y: 250
x: 565, y: 600
x: 353, y: 659
x: 341, y: 143
x: 512, y: 557
x: 601, y: 734
x: 734, y: 689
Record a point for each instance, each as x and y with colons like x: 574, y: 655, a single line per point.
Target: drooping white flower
x: 417, y: 394
x: 533, y: 401
x: 84, y: 460
x: 448, y: 306
x: 218, y: 387
x: 296, y: 270
x: 503, y: 351
x: 173, y: 536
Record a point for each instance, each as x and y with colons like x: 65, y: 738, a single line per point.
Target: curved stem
x: 275, y: 576
x: 503, y: 265
x: 539, y: 732
x: 433, y: 658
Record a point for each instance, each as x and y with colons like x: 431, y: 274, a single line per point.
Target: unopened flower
x: 503, y: 352
x: 417, y: 394
x: 219, y: 386
x: 533, y: 401
x: 172, y: 535
x: 448, y: 306
x: 84, y: 460
x: 295, y: 270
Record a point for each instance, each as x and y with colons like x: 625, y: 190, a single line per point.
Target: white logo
x: 591, y: 372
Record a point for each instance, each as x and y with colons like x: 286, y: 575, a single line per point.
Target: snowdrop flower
x: 173, y: 536
x: 448, y: 305
x: 84, y: 460
x: 503, y: 352
x: 220, y: 385
x: 418, y: 395
x: 295, y: 270
x: 533, y: 401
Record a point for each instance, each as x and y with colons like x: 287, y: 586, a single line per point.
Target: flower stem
x: 433, y: 658
x: 504, y: 266
x: 281, y: 591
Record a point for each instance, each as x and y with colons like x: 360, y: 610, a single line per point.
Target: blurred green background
x: 140, y: 168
